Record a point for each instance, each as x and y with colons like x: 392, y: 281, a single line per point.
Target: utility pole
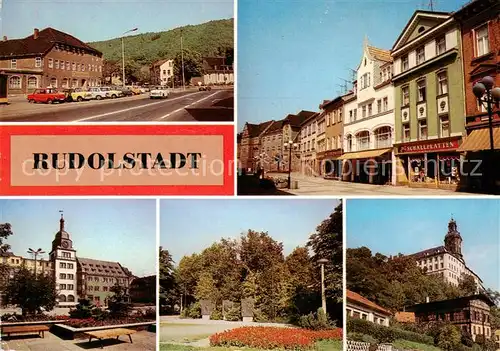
x: 123, y: 54
x: 322, y: 262
x: 182, y: 62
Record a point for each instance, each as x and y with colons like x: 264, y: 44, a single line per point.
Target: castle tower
x: 453, y: 240
x: 63, y: 256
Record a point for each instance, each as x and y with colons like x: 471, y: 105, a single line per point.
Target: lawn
x: 405, y: 344
x: 320, y: 346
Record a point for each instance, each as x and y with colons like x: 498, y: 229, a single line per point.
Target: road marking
x: 132, y: 108
x: 191, y: 104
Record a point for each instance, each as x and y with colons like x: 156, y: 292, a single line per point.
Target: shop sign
x: 429, y: 146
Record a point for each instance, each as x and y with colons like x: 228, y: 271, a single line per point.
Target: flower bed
x: 91, y: 322
x: 273, y: 337
x: 33, y: 318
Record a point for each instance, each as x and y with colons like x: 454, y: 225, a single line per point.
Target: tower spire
x: 61, y: 221
x: 365, y: 41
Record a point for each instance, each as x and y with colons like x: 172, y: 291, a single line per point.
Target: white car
x: 100, y: 93
x: 159, y: 93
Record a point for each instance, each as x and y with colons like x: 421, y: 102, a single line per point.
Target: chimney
x: 35, y: 33
x: 4, y: 38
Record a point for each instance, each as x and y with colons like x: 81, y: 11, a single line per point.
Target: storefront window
x: 383, y: 137
x: 363, y: 140
x: 417, y: 169
x: 448, y: 169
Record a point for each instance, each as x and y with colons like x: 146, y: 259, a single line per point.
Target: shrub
x: 273, y: 337
x: 316, y: 321
x: 448, y: 337
x: 233, y: 314
x: 82, y: 310
x: 216, y: 314
x: 193, y: 311
x: 386, y: 334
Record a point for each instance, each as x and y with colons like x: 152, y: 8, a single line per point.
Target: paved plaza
x: 142, y: 340
x: 319, y: 186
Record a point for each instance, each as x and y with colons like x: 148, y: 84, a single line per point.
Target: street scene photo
x: 428, y: 279
x: 120, y: 61
x: 350, y: 103
x: 78, y: 274
x: 245, y: 275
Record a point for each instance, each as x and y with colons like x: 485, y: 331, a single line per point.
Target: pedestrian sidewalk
x: 319, y: 186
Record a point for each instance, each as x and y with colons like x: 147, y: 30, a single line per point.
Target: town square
x: 70, y: 277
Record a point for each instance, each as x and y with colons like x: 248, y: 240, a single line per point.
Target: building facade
x: 216, y: 71
x: 429, y: 101
x: 447, y: 260
x: 49, y: 58
x: 471, y: 314
x: 308, y: 134
x: 330, y: 166
x: 480, y: 27
x: 162, y: 72
x: 359, y: 307
x: 291, y: 133
x: 249, y: 152
x: 369, y: 122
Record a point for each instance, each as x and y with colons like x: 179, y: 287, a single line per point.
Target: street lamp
x: 182, y: 64
x: 322, y: 262
x: 35, y: 253
x: 123, y: 54
x: 290, y: 147
x: 488, y: 95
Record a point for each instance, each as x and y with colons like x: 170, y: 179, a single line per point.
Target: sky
x: 95, y: 20
x: 293, y: 54
x: 189, y: 226
x: 408, y: 226
x: 121, y: 231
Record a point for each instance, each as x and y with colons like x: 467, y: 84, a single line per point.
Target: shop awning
x: 363, y: 154
x: 479, y: 140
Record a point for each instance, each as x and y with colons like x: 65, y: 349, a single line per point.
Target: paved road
x: 214, y: 105
x: 320, y: 186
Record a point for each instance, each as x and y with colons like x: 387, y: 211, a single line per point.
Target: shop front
x: 430, y: 163
x: 370, y: 166
x: 329, y: 165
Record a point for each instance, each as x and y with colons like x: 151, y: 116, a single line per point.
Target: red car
x: 48, y: 95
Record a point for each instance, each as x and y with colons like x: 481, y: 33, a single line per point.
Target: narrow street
x: 188, y: 106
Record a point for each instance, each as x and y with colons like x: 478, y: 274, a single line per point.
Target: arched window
x: 62, y: 298
x: 65, y: 83
x: 32, y: 82
x: 383, y: 137
x: 15, y: 82
x: 71, y: 298
x: 349, y: 143
x: 74, y: 84
x: 363, y: 140
x: 53, y: 83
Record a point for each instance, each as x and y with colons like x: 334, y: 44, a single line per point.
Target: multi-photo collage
x: 240, y: 175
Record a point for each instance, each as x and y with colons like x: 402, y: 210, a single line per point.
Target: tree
x: 31, y: 293
x: 169, y: 287
x: 192, y: 65
x: 5, y: 232
x: 118, y: 303
x: 111, y: 68
x: 467, y: 285
x: 449, y: 338
x: 206, y: 289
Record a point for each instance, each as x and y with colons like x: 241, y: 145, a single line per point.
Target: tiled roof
x: 430, y: 252
x: 276, y: 126
x: 405, y: 317
x: 211, y: 62
x: 47, y: 38
x: 254, y: 130
x: 380, y: 54
x: 305, y: 114
x: 98, y: 267
x: 357, y: 298
x: 160, y: 62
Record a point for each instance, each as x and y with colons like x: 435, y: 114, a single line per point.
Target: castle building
x: 447, y: 260
x: 75, y: 277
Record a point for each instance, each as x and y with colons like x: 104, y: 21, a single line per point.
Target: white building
x: 359, y: 307
x: 63, y: 257
x: 369, y: 121
x: 308, y: 136
x: 162, y: 72
x: 447, y: 261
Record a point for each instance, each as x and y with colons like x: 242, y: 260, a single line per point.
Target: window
x: 62, y: 265
x: 422, y: 129
x: 340, y: 116
x: 386, y: 103
x: 91, y: 288
x: 96, y: 288
x: 406, y: 95
x: 83, y: 67
x: 421, y: 90
x: 56, y: 64
x: 62, y: 286
x: 369, y: 109
x: 482, y: 42
x: 349, y: 143
x: 363, y: 111
x: 355, y: 113
x: 444, y: 126
x: 350, y: 116
x: 105, y: 288
x: 38, y: 62
x: 440, y: 45
x: 32, y: 82
x: 64, y: 254
x: 67, y: 66
x: 379, y: 106
x: 15, y: 82
x: 404, y: 63
x: 442, y: 83
x: 406, y: 132
x: 62, y: 276
x: 71, y: 276
x: 363, y: 140
x: 420, y: 55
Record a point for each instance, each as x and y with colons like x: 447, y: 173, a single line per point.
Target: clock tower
x: 453, y: 240
x: 63, y: 256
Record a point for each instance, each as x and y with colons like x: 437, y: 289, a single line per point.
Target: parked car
x: 160, y: 92
x: 135, y: 89
x: 100, y: 93
x: 125, y: 91
x: 48, y: 95
x: 145, y: 89
x: 77, y: 94
x: 205, y: 88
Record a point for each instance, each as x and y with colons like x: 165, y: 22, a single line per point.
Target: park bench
x: 25, y: 329
x: 109, y: 333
